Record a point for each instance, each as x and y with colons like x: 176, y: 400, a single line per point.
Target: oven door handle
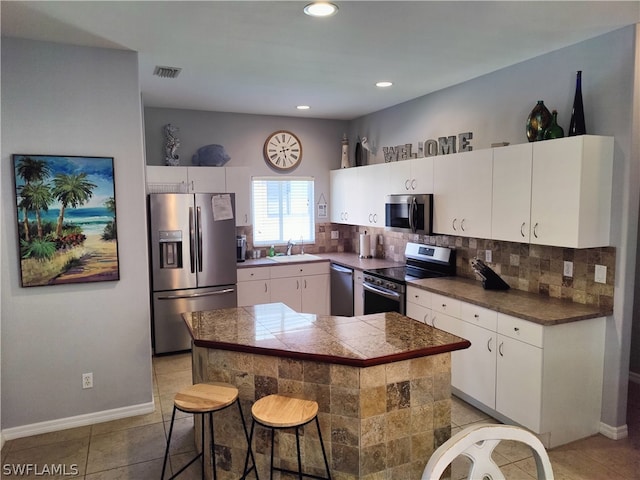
x: 382, y: 292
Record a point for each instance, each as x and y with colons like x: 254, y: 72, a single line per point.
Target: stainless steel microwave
x: 409, y: 213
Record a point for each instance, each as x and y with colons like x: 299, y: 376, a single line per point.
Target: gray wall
x: 495, y: 107
x: 243, y: 137
x: 59, y: 99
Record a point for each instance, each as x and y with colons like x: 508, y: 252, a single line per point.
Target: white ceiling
x: 266, y: 57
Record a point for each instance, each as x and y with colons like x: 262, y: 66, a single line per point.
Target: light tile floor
x: 133, y: 448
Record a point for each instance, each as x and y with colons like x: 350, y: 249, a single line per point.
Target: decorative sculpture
x: 172, y: 142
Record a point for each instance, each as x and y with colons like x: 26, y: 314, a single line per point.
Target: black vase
x: 537, y: 122
x: 576, y: 125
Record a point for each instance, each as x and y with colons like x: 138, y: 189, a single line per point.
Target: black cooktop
x: 404, y: 273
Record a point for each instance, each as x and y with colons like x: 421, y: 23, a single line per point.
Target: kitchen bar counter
x: 525, y: 305
x: 382, y: 383
x: 275, y: 329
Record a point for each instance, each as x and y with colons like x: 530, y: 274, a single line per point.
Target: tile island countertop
x: 276, y: 330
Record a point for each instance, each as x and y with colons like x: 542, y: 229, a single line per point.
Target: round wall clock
x: 282, y: 150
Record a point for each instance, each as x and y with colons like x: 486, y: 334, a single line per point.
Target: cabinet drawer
x: 519, y: 329
x: 483, y: 317
x: 310, y: 268
x: 448, y: 305
x: 257, y: 273
x: 419, y: 296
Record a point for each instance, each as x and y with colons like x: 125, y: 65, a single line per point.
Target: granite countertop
x: 277, y: 330
x: 351, y: 260
x: 525, y: 305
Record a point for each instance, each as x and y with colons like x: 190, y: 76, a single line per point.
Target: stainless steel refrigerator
x: 193, y: 261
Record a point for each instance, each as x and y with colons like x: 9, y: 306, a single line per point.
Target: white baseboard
x: 77, y: 421
x: 614, y: 433
x: 634, y: 377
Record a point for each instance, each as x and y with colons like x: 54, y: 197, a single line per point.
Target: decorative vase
x: 537, y: 122
x: 553, y: 130
x: 576, y: 126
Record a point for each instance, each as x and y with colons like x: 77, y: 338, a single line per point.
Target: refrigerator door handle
x: 199, y: 222
x: 196, y: 295
x: 192, y: 245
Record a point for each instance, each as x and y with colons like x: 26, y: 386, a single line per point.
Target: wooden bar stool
x: 202, y: 399
x: 280, y: 412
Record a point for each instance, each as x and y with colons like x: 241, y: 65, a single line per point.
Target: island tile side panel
x: 384, y: 420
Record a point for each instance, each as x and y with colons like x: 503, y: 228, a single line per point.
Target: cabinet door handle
x: 489, y: 344
x: 297, y: 284
x: 535, y: 230
x: 305, y: 283
x: 516, y: 329
x: 500, y: 349
x: 475, y: 315
x: 265, y: 287
x: 426, y: 318
x: 433, y: 321
x: 522, y: 229
x: 193, y: 188
x: 375, y: 218
x: 462, y: 224
x: 413, y: 184
x: 453, y: 224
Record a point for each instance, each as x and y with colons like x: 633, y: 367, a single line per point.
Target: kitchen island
x: 382, y: 383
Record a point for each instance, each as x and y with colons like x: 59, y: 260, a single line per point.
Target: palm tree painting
x: 66, y: 219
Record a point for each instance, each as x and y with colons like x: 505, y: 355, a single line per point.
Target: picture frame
x: 66, y: 219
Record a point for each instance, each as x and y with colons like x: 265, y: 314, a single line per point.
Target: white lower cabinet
x: 253, y: 286
x: 546, y: 378
x: 419, y: 305
x: 302, y: 287
x: 519, y: 364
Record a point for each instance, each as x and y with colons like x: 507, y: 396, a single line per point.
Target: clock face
x: 282, y: 150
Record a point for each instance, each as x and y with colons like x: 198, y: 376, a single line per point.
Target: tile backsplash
x: 531, y: 268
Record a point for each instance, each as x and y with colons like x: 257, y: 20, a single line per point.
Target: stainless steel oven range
x: 384, y: 288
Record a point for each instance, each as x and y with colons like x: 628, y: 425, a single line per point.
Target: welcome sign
x: 430, y: 148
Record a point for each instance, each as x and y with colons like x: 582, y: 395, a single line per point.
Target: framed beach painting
x: 66, y: 216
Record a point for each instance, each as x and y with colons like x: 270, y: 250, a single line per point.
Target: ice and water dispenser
x: 170, y: 249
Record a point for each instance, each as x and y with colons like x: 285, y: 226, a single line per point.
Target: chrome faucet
x: 290, y: 245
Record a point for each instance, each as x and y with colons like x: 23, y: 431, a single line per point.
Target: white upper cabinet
x: 238, y: 181
x: 511, y: 204
x: 185, y: 179
x: 571, y: 191
x: 421, y: 178
x: 462, y: 185
x: 344, y: 203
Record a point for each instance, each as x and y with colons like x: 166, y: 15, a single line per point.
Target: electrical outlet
x: 568, y: 269
x: 601, y: 274
x: 87, y: 380
x: 335, y: 234
x: 487, y: 256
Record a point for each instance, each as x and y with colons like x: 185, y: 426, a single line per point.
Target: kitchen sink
x: 301, y: 257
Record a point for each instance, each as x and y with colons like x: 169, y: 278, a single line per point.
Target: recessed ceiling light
x: 383, y: 84
x: 321, y: 9
x: 303, y: 107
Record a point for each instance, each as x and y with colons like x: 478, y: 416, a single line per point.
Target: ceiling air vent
x: 167, y: 72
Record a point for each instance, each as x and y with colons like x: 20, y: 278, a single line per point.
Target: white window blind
x: 282, y: 210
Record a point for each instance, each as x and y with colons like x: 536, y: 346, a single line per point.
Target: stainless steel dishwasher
x: 341, y: 290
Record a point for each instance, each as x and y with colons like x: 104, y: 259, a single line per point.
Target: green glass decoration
x: 537, y: 122
x: 554, y: 130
